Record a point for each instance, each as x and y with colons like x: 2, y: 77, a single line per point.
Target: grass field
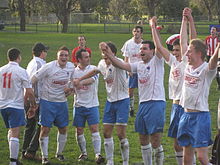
x: 25, y: 41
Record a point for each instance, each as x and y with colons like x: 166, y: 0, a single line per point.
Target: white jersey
x: 13, y: 80
x: 54, y: 79
x: 150, y: 79
x: 131, y: 50
x: 116, y: 81
x: 35, y: 64
x: 87, y: 95
x: 176, y: 76
x: 196, y: 87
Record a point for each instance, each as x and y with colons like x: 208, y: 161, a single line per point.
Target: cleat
x: 45, y: 161
x: 60, y: 157
x: 82, y: 157
x: 99, y: 159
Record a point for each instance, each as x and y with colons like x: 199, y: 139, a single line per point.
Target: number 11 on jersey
x: 7, y: 80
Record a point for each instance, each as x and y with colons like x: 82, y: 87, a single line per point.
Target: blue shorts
x: 116, y: 112
x: 13, y: 117
x: 53, y: 113
x: 83, y: 114
x: 195, y: 129
x: 150, y: 117
x: 133, y: 81
x: 176, y: 113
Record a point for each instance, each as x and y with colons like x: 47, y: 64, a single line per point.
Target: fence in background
x: 169, y: 28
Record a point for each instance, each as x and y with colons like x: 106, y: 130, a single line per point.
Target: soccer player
x: 194, y: 131
x: 211, y: 42
x: 177, y: 62
x: 32, y: 129
x: 215, y: 159
x: 14, y: 80
x: 150, y: 117
x: 82, y: 45
x: 86, y: 106
x: 130, y: 52
x: 55, y: 76
x: 117, y: 105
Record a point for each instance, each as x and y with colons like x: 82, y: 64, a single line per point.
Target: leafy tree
x: 19, y: 5
x: 118, y: 8
x: 62, y: 9
x: 103, y: 9
x: 150, y: 5
x: 172, y: 8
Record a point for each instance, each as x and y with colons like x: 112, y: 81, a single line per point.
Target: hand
x: 68, y: 91
x: 187, y: 12
x: 153, y: 21
x: 103, y: 46
x: 76, y: 82
x: 31, y: 112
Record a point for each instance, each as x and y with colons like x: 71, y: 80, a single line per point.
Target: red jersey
x: 73, y: 59
x: 211, y: 43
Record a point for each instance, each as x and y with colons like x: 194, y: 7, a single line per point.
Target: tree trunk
x: 21, y: 10
x: 209, y: 15
x: 65, y: 23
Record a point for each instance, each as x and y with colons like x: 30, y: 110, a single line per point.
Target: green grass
x: 25, y: 41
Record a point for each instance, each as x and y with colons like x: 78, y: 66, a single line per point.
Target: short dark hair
x: 63, y: 48
x: 13, y: 54
x: 38, y: 48
x: 112, y: 47
x: 139, y: 27
x: 176, y: 42
x: 79, y: 54
x: 150, y: 43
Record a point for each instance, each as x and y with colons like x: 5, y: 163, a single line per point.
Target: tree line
x: 112, y: 9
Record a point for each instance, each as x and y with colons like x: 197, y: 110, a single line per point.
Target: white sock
x: 179, y: 157
x: 159, y: 155
x: 9, y: 135
x: 12, y: 163
x: 61, y: 141
x: 43, y: 141
x: 124, y: 147
x: 109, y: 148
x: 82, y: 143
x: 147, y: 154
x: 194, y: 159
x: 14, y: 147
x: 96, y: 140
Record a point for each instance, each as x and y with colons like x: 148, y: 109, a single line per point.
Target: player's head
x: 82, y: 41
x: 137, y: 32
x: 63, y: 56
x: 40, y: 50
x: 213, y: 30
x: 14, y: 54
x: 147, y: 50
x: 83, y: 57
x: 176, y: 49
x: 112, y: 47
x: 196, y: 51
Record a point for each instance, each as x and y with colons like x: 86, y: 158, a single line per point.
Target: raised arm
x: 159, y: 47
x: 183, y: 32
x: 115, y: 62
x: 192, y: 28
x: 214, y: 59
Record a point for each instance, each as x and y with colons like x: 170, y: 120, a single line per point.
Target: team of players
x: 189, y: 82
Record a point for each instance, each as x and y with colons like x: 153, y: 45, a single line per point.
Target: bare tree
x: 62, y: 9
